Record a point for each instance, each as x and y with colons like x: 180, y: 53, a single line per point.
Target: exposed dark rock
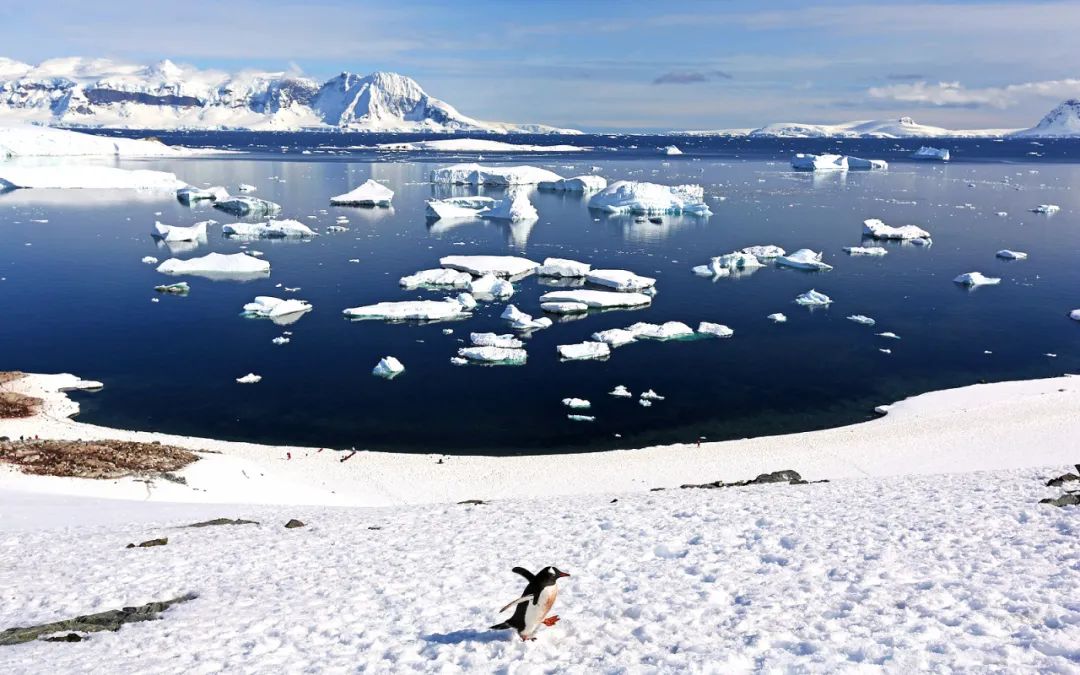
x: 94, y: 459
x: 70, y: 637
x: 110, y: 620
x: 223, y: 521
x: 1064, y: 478
x: 1067, y: 499
x: 789, y: 476
x: 151, y: 542
x: 374, y: 527
x: 294, y: 523
x: 473, y: 502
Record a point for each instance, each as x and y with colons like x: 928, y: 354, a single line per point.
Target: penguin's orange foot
x: 551, y: 620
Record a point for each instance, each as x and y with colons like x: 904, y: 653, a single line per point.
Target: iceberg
x: 388, y: 367
x: 598, y: 299
x: 860, y: 164
x: 561, y: 267
x: 710, y: 270
x: 244, y: 187
x: 888, y: 334
x: 236, y: 266
x: 564, y: 307
x: 973, y: 279
x: 807, y: 162
x: 436, y: 278
x: 515, y: 208
x: 413, y: 310
x: 466, y: 300
x: 672, y: 150
x: 369, y: 193
x: 1075, y: 315
x: 521, y: 321
x: 458, y: 208
x: 866, y: 250
x: 271, y: 229
x: 724, y: 265
x: 670, y: 330
x: 766, y: 252
x: 650, y: 198
x: 813, y: 298
x: 1041, y: 208
x: 583, y: 351
x: 149, y: 260
x: 864, y: 320
x: 281, y: 312
x: 777, y: 318
x: 495, y: 340
x: 491, y: 286
x: 576, y: 403
x: 876, y: 229
x: 248, y: 206
x: 494, y: 355
x: 196, y: 232
x: 499, y: 265
x: 475, y: 174
x: 86, y: 177
x: 932, y: 154
x: 717, y: 329
x: 586, y: 183
x: 620, y: 391
x: 615, y: 337
x: 189, y: 195
x: 651, y: 395
x: 1007, y: 254
x: 250, y: 378
x: 620, y: 280
x: 644, y: 403
x: 804, y: 259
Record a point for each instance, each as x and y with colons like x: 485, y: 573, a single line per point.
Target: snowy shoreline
x: 1006, y: 425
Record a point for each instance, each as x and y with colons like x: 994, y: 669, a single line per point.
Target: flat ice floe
x: 1075, y: 315
x: 620, y: 280
x: 475, y: 145
x: 584, y: 183
x: 412, y: 310
x: 368, y: 193
x: 777, y: 317
x: 495, y: 340
x: 583, y: 351
x: 490, y: 286
x: 972, y: 279
x: 499, y: 265
x: 764, y: 252
x: 564, y: 307
x: 248, y: 206
x: 669, y: 330
x: 866, y: 250
x: 932, y: 154
x: 281, y: 311
x: 459, y: 208
x: 615, y: 337
x: 620, y: 391
x: 519, y: 320
x: 494, y: 355
x: 576, y: 403
x: 436, y: 278
x: 813, y: 298
x: 717, y: 329
x: 860, y: 164
x: 196, y: 232
x: 626, y: 196
x: 250, y: 378
x: 598, y: 299
x: 271, y: 229
x: 1007, y: 254
x: 388, y: 367
x: 563, y: 268
x: 808, y: 162
x: 724, y: 265
x: 804, y: 259
x: 1046, y: 208
x: 189, y: 194
x: 31, y: 140
x: 236, y: 266
x: 86, y: 177
x: 863, y: 319
x: 476, y: 174
x: 876, y: 229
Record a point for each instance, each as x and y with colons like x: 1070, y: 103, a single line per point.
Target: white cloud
x: 956, y: 95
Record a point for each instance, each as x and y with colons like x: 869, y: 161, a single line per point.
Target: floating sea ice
x: 236, y: 266
x: 476, y: 174
x: 413, y: 310
x: 804, y: 259
x: 281, y: 340
x: 494, y: 355
x: 281, y: 312
x: 777, y: 318
x: 766, y: 252
x: 583, y: 350
x: 598, y: 299
x: 888, y: 334
x: 248, y: 206
x: 271, y: 229
x: 170, y: 233
x: 576, y: 403
x: 188, y: 195
x: 717, y: 329
x: 885, y: 351
x: 973, y: 279
x: 563, y: 268
x: 515, y: 208
x: 495, y: 340
x: 1046, y: 208
x: 710, y: 270
x: 499, y: 265
x: 672, y: 150
x: 388, y: 367
x: 928, y: 153
x: 620, y: 391
x: 564, y: 307
x: 436, y: 278
x: 875, y: 228
x: 458, y: 208
x: 85, y: 176
x: 490, y: 286
x: 615, y: 337
x: 250, y: 378
x: 813, y: 298
x: 586, y: 183
x: 670, y: 330
x: 620, y: 280
x: 808, y: 162
x: 860, y: 318
x: 244, y: 187
x: 1075, y: 315
x: 860, y: 164
x: 650, y: 395
x: 1011, y: 255
x: 458, y: 361
x: 521, y: 321
x: 650, y: 198
x: 369, y: 193
x: 150, y: 260
x: 581, y: 418
x: 644, y: 403
x: 865, y: 250
x: 179, y: 288
x: 466, y: 300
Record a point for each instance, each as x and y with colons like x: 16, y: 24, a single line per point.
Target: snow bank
x: 388, y: 367
x: 271, y: 229
x: 804, y: 259
x: 933, y: 154
x: 598, y: 299
x: 248, y: 206
x: 563, y: 268
x: 972, y: 279
x: 807, y: 162
x: 647, y: 198
x: 585, y: 183
x: 476, y: 174
x: 237, y: 266
x: 878, y: 230
x: 583, y: 351
x: 499, y: 265
x: 368, y: 193
x: 196, y: 232
x: 620, y: 280
x: 39, y: 141
x: 86, y: 177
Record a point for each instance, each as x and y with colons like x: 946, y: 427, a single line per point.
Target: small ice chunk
x: 860, y: 164
x: 495, y: 340
x: 860, y: 318
x: 1046, y: 208
x: 179, y: 288
x: 584, y: 350
x: 170, y: 233
x: 522, y: 321
x: 248, y: 206
x: 279, y: 311
x: 150, y: 260
x: 515, y: 208
x: 650, y: 395
x: 281, y: 340
x: 1075, y: 315
x: 494, y: 355
x: 271, y: 229
x: 476, y: 174
x: 576, y: 403
x: 499, y: 265
x: 620, y: 280
x: 244, y: 187
x: 585, y: 183
x: 598, y: 299
x: 644, y: 403
x: 876, y: 229
x: 458, y: 208
x: 766, y: 252
x: 388, y: 367
x: 563, y: 268
x: 190, y: 194
x: 717, y: 329
x: 885, y: 351
x: 250, y: 378
x: 804, y: 259
x: 813, y: 298
x: 888, y: 334
x: 615, y: 337
x: 1011, y: 255
x: 973, y: 279
x: 491, y: 286
x: 458, y: 361
x: 621, y: 391
x: 866, y: 250
x: 672, y: 150
x: 581, y: 418
x: 436, y: 278
x: 369, y: 193
x: 466, y: 300
x: 777, y: 318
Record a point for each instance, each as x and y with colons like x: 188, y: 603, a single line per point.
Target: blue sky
x: 599, y: 64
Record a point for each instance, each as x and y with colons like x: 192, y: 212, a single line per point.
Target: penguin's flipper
x: 524, y: 598
x: 500, y: 626
x: 524, y: 572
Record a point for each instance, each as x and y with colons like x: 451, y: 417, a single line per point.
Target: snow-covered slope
x: 103, y: 93
x: 1062, y: 121
x: 905, y: 127
x: 29, y: 140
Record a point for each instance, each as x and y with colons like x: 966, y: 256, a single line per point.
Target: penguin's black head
x: 551, y: 574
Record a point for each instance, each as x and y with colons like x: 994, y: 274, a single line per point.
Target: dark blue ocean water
x: 74, y: 296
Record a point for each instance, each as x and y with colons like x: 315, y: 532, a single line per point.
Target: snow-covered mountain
x: 905, y: 127
x: 1062, y: 121
x: 84, y: 92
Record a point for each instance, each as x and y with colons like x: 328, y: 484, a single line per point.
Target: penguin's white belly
x: 534, y: 614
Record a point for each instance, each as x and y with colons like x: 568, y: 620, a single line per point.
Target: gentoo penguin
x: 535, y: 602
